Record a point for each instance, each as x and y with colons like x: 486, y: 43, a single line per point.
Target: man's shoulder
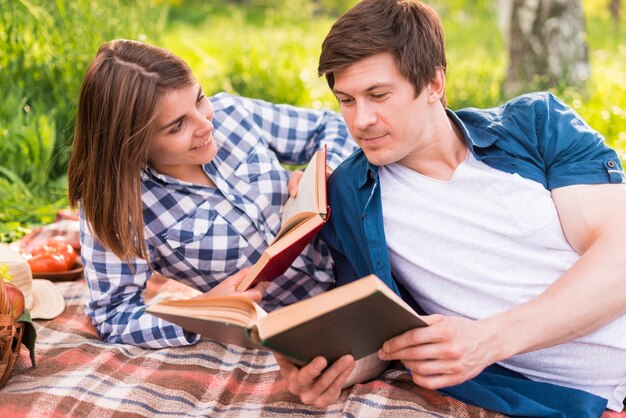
x: 350, y: 171
x: 520, y: 106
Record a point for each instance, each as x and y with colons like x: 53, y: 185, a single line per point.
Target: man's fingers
x: 327, y: 388
x: 434, y: 367
x: 315, y: 384
x: 334, y: 372
x: 310, y: 372
x: 436, y: 374
x: 417, y: 336
x: 287, y: 368
x: 334, y: 389
x: 421, y: 352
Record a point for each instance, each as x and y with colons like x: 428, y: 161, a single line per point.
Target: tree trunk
x: 547, y: 45
x: 614, y: 9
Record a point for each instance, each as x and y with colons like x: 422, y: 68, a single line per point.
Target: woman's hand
x: 292, y: 184
x: 294, y: 179
x: 229, y: 285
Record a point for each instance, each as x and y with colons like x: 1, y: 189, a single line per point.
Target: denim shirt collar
x: 485, y: 139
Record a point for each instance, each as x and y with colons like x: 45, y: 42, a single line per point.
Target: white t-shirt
x: 484, y: 242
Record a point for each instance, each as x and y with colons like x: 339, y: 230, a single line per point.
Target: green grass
x: 45, y: 47
x: 264, y: 48
x: 251, y: 52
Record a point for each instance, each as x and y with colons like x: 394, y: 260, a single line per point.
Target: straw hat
x: 41, y: 297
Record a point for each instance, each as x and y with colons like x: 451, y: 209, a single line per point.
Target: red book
x: 303, y: 216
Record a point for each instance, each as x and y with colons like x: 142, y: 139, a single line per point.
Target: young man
x: 505, y: 225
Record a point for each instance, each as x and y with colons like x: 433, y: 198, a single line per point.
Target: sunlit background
x: 264, y: 49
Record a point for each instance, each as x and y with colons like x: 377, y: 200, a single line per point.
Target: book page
x: 305, y: 199
x: 366, y: 368
x: 231, y: 308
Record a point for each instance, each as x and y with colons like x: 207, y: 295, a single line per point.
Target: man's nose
x: 364, y: 116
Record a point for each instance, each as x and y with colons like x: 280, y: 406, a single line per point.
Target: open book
x: 303, y: 216
x: 356, y: 319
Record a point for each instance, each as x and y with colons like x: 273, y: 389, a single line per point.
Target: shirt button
x: 231, y: 197
x: 611, y: 164
x: 261, y: 228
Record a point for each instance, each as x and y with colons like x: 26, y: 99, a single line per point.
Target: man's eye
x: 344, y: 100
x: 379, y: 96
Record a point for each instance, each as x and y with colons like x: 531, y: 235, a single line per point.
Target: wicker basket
x: 11, y: 333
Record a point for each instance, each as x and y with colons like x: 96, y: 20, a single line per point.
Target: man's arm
x: 453, y: 350
x: 592, y: 217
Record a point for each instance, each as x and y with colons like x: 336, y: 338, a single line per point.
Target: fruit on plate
x: 53, y: 255
x: 16, y: 300
x: 47, y: 263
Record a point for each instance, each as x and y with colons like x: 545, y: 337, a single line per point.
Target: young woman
x: 171, y: 181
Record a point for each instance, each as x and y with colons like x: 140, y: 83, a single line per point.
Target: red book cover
x: 303, y: 217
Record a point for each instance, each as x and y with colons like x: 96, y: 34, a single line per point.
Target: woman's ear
x: 437, y: 86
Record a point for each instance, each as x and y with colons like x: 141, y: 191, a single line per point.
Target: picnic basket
x: 11, y: 332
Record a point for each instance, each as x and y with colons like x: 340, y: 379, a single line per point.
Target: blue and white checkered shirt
x: 200, y: 235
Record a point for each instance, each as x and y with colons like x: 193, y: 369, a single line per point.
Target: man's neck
x: 442, y: 154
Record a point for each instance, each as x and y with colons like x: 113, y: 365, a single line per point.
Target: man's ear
x: 437, y: 86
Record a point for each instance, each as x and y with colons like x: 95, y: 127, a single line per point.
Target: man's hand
x: 314, y: 384
x: 229, y: 286
x: 449, y: 351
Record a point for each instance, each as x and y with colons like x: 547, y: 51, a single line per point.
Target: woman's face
x: 184, y: 135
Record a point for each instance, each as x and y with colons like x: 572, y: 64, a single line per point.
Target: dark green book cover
x: 358, y: 328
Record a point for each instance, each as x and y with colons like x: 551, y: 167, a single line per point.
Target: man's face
x: 385, y: 117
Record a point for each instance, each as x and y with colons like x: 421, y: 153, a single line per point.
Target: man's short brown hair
x: 409, y: 30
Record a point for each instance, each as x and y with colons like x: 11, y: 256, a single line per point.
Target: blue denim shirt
x: 535, y: 136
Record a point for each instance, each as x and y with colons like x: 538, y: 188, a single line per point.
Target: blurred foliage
x: 258, y: 48
x: 45, y: 47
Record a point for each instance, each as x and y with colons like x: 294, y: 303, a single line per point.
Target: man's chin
x: 377, y: 158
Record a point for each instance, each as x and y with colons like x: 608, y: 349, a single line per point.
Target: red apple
x: 16, y: 300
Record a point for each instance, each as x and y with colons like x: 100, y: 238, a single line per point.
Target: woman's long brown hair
x: 117, y: 110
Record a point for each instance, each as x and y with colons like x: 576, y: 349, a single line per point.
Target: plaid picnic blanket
x: 78, y: 375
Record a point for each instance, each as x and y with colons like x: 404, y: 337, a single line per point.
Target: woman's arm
x: 292, y: 133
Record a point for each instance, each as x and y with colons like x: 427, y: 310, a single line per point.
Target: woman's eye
x: 176, y: 128
x: 200, y: 97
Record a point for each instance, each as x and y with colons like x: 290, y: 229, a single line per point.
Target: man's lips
x: 372, y: 138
